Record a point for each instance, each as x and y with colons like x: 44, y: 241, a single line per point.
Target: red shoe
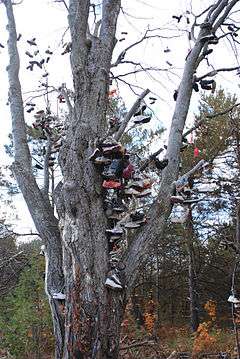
x: 112, y: 184
x: 128, y: 171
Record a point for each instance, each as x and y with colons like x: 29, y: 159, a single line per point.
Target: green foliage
x: 25, y: 319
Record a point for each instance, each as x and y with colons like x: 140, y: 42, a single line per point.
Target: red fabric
x: 128, y: 171
x: 111, y: 184
x: 196, y: 152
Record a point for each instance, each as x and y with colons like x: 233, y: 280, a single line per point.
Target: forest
x: 133, y: 251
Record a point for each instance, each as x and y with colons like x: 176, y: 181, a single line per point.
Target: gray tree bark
x: 76, y: 244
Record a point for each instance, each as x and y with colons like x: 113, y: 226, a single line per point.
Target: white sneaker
x: 115, y: 278
x: 131, y: 192
x: 233, y: 299
x: 115, y: 231
x: 132, y: 225
x: 144, y: 193
x: 58, y: 296
x: 177, y: 199
x: 111, y: 284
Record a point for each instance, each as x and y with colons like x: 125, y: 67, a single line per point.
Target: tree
x: 77, y: 254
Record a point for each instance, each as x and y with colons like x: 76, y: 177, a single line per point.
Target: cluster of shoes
x: 182, y: 197
x: 48, y: 127
x: 204, y: 84
x: 124, y: 190
x: 32, y: 55
x: 183, y: 192
x: 140, y: 117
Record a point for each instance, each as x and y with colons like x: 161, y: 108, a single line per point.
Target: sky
x: 47, y: 21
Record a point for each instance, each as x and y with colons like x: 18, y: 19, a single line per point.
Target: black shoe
x: 175, y: 95
x: 140, y: 111
x: 137, y: 216
x: 195, y: 87
x: 141, y: 119
x: 160, y: 164
x: 207, y: 38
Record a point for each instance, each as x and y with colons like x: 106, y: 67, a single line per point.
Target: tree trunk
x: 192, y: 280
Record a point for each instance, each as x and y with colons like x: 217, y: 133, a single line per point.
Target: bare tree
x: 77, y: 254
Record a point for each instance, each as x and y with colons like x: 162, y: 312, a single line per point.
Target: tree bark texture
x: 77, y: 255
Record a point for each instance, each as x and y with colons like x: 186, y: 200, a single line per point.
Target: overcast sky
x: 47, y: 21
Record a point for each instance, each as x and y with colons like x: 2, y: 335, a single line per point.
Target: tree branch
x: 110, y: 11
x: 129, y: 115
x: 214, y: 72
x: 78, y: 23
x: 145, y: 37
x: 225, y: 14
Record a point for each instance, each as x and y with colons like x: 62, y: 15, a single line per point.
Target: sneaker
x: 115, y: 231
x: 207, y: 38
x: 160, y: 164
x: 176, y: 199
x: 131, y: 192
x: 191, y: 200
x: 111, y: 184
x: 116, y: 168
x: 146, y: 192
x: 132, y: 225
x: 233, y: 299
x: 181, y: 183
x: 141, y: 119
x: 102, y: 160
x: 42, y: 250
x: 59, y: 296
x: 213, y: 42
x: 137, y: 216
x: 108, y: 142
x: 195, y: 87
x: 94, y: 155
x: 128, y: 171
x: 115, y: 278
x: 112, y: 285
x: 114, y: 238
x: 116, y: 216
x: 112, y: 149
x: 140, y: 111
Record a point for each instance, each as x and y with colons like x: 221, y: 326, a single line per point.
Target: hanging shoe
x: 191, y: 200
x: 108, y: 142
x: 175, y: 95
x: 128, y: 171
x: 181, y: 183
x: 144, y: 193
x: 110, y: 283
x: 112, y: 149
x: 195, y: 87
x: 207, y: 38
x: 39, y: 167
x: 132, y: 225
x: 138, y: 120
x: 42, y: 250
x: 131, y: 192
x: 176, y: 199
x: 115, y: 169
x: 140, y: 111
x: 59, y: 296
x: 137, y: 216
x: 111, y: 184
x: 102, y: 161
x: 160, y: 164
x: 118, y: 231
x: 233, y: 299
